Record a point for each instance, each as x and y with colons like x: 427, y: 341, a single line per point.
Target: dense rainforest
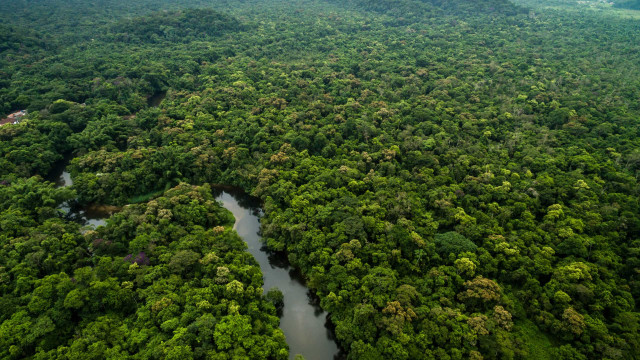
x: 628, y: 4
x: 453, y: 179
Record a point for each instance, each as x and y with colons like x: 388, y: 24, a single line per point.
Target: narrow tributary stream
x: 303, y: 322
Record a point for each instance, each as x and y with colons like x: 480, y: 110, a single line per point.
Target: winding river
x: 303, y: 322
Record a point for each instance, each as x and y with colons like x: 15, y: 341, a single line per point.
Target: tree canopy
x: 454, y: 179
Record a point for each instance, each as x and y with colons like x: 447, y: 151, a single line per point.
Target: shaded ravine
x: 155, y: 99
x: 303, y: 322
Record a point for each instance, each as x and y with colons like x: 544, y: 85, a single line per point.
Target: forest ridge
x: 453, y: 179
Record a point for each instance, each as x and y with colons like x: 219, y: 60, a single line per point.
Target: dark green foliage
x: 174, y: 26
x: 20, y: 41
x: 27, y: 151
x: 453, y: 243
x: 416, y: 10
x: 628, y: 4
x: 274, y: 295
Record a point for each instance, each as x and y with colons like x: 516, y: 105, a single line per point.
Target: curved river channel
x: 303, y: 322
